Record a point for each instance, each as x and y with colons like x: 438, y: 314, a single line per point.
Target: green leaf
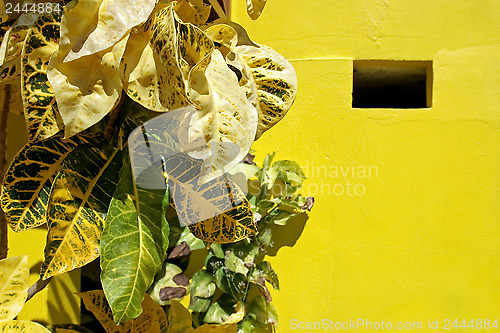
x: 40, y: 109
x: 191, y: 240
x: 28, y: 181
x: 14, y: 284
x: 216, y: 314
x: 235, y: 264
x: 92, y: 26
x: 264, y: 312
x: 152, y: 320
x: 78, y: 204
x: 168, y: 272
x: 265, y: 270
x: 21, y: 326
x: 86, y: 89
x: 231, y: 283
x: 203, y: 284
x: 134, y: 243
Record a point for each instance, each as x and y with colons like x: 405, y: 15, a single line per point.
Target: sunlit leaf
x: 166, y: 280
x: 152, y: 320
x: 21, y: 326
x: 14, y: 284
x: 255, y: 7
x: 28, y: 181
x: 157, y: 73
x: 78, y: 204
x: 193, y: 11
x: 40, y: 110
x: 92, y: 26
x: 12, y: 45
x: 134, y: 242
x: 86, y: 89
x: 223, y: 129
x: 276, y: 83
x: 217, y: 211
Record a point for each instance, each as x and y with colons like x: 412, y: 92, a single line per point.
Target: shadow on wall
x: 288, y: 234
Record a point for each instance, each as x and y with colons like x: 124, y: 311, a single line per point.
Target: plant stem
x: 4, y: 246
x: 113, y: 119
x: 218, y: 9
x: 37, y: 287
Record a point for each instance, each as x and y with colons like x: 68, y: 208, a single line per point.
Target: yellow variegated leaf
x: 179, y: 319
x: 193, y: 11
x: 86, y: 89
x: 28, y: 181
x: 255, y: 7
x: 223, y: 129
x: 42, y: 118
x: 14, y: 284
x: 91, y: 26
x: 216, y: 211
x: 21, y: 326
x: 228, y: 38
x: 78, y: 203
x: 152, y: 320
x: 11, y: 47
x: 142, y: 70
x: 158, y: 76
x: 276, y: 83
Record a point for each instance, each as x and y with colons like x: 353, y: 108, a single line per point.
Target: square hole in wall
x: 392, y: 84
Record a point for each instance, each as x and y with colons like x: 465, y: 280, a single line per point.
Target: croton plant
x: 140, y: 117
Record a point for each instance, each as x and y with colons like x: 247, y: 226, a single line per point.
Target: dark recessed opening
x: 392, y: 84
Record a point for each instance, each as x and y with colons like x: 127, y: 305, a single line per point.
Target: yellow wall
x: 423, y: 241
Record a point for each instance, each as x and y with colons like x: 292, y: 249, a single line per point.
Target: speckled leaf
x: 28, y: 181
x: 276, y: 82
x: 152, y: 320
x: 11, y: 47
x: 91, y: 26
x: 255, y: 7
x: 193, y: 11
x: 21, y: 326
x: 14, y: 284
x: 228, y: 38
x: 223, y: 129
x: 216, y: 211
x: 40, y: 109
x: 77, y: 207
x: 157, y: 74
x: 134, y: 242
x: 86, y: 89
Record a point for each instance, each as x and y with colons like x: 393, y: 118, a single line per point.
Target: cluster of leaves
x: 85, y: 78
x: 225, y: 289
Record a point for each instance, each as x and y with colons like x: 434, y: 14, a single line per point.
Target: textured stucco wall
x: 423, y: 241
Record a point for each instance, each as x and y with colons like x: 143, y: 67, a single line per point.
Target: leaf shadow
x: 287, y: 235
